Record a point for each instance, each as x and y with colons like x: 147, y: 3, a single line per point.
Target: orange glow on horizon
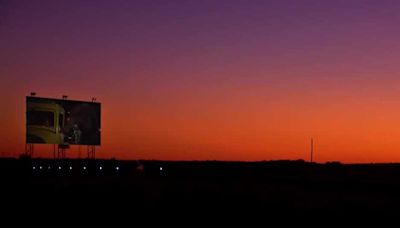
x: 227, y: 125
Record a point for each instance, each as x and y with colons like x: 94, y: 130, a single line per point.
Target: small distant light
x: 49, y: 167
x: 59, y: 167
x: 33, y: 167
x: 160, y: 168
x: 40, y: 167
x: 101, y: 168
x: 117, y: 168
x: 84, y: 167
x: 70, y: 167
x: 140, y: 167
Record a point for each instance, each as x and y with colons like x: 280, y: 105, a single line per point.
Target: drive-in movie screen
x: 62, y: 122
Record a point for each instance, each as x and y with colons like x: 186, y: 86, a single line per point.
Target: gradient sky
x: 205, y: 80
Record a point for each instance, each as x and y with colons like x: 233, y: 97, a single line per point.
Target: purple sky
x: 205, y: 79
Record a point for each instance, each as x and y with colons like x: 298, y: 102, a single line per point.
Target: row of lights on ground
x: 84, y: 168
x: 70, y: 168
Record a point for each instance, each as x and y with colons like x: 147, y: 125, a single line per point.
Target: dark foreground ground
x: 157, y: 186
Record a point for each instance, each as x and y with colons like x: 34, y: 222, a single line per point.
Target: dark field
x: 278, y: 186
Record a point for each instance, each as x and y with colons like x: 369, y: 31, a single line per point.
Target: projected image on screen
x: 62, y: 122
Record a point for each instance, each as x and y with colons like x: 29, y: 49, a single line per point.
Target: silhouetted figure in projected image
x: 76, y: 133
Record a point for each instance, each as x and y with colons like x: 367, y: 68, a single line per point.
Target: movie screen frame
x: 62, y: 122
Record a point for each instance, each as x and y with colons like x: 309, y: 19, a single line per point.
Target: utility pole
x: 312, y: 150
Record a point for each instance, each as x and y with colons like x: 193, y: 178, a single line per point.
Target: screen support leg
x: 29, y: 149
x: 91, y: 152
x: 61, y: 153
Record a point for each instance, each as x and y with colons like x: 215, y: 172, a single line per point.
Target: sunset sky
x: 213, y: 79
